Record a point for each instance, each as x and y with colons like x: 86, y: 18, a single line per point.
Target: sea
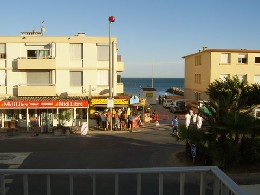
x: 132, y: 86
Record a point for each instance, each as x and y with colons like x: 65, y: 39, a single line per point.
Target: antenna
x: 43, y: 29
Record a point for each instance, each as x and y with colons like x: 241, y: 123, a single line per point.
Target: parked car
x: 178, y: 106
x: 167, y: 103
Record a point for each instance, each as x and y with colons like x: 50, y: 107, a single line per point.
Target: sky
x: 153, y: 35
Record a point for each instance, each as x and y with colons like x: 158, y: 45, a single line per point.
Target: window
x: 2, y: 77
x: 197, y: 95
x: 102, y: 77
x: 76, y: 78
x: 38, y: 54
x: 225, y: 58
x: 257, y: 79
x: 257, y: 58
x: 197, y: 60
x: 39, y: 78
x: 2, y: 51
x: 197, y: 78
x: 103, y: 52
x: 76, y: 51
x: 38, y: 51
x: 224, y: 76
x: 242, y: 78
x: 242, y: 58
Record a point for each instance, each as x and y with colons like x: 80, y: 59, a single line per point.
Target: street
x: 151, y: 146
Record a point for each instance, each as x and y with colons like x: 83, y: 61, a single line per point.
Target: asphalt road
x: 151, y: 146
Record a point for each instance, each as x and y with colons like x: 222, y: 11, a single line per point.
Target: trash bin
x: 12, y: 124
x: 6, y: 124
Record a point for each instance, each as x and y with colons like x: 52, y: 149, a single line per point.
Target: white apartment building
x: 36, y: 65
x: 41, y: 70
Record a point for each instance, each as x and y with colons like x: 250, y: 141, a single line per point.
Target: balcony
x: 120, y: 67
x: 36, y: 90
x: 119, y: 88
x: 36, y: 63
x: 158, y: 180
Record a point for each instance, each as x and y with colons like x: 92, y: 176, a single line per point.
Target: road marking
x: 13, y: 158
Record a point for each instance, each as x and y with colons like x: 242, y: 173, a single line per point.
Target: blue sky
x: 152, y: 34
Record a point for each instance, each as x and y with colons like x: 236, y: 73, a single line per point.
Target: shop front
x: 100, y: 104
x: 44, y: 113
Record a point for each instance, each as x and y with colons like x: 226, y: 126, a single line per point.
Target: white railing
x: 207, y: 179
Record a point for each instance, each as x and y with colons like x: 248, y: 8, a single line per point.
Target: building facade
x: 36, y: 65
x: 56, y: 70
x: 208, y: 65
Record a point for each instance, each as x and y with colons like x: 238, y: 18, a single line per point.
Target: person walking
x: 130, y: 122
x: 104, y: 121
x: 175, y: 124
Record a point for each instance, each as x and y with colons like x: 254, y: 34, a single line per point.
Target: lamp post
x: 110, y: 74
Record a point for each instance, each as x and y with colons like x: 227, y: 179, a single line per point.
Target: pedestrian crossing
x: 11, y: 161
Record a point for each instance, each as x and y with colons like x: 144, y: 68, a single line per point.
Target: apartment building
x: 208, y: 65
x: 37, y: 68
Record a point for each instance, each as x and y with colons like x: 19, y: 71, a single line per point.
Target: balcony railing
x: 36, y: 63
x: 174, y: 180
x: 36, y: 90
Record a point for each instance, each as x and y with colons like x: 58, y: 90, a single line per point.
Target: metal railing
x: 203, y: 179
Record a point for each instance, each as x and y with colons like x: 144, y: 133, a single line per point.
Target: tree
x: 228, y: 114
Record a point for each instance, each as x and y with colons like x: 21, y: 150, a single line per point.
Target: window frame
x: 228, y: 58
x: 242, y: 60
x: 77, y: 79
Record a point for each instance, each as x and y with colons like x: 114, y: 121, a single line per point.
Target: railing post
x: 160, y: 184
x: 25, y: 184
x: 48, y: 181
x: 71, y: 184
x: 216, y: 187
x: 94, y: 184
x: 182, y: 182
x: 139, y: 181
x: 2, y: 184
x: 116, y: 184
x: 202, y: 184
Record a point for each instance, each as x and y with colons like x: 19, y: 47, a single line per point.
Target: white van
x: 167, y: 103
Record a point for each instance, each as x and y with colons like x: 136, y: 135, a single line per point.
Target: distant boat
x: 175, y: 90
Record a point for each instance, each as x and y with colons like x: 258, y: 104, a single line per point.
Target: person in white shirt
x: 187, y: 119
x: 199, y: 121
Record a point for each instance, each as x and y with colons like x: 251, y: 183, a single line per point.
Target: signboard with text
x: 104, y: 101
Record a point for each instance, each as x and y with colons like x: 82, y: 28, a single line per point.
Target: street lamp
x: 110, y: 75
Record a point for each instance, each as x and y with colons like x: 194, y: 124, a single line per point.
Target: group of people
x: 161, y: 99
x: 190, y: 119
x: 121, y: 120
x: 193, y: 119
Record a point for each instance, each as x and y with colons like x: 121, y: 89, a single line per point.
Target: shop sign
x: 104, y: 101
x: 42, y: 104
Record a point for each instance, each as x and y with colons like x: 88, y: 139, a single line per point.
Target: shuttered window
x: 102, y: 77
x: 257, y: 79
x: 38, y: 78
x: 225, y: 58
x: 257, y: 58
x: 76, y: 78
x: 223, y: 77
x: 2, y: 51
x: 242, y: 58
x: 2, y: 77
x: 76, y: 51
x: 103, y: 53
